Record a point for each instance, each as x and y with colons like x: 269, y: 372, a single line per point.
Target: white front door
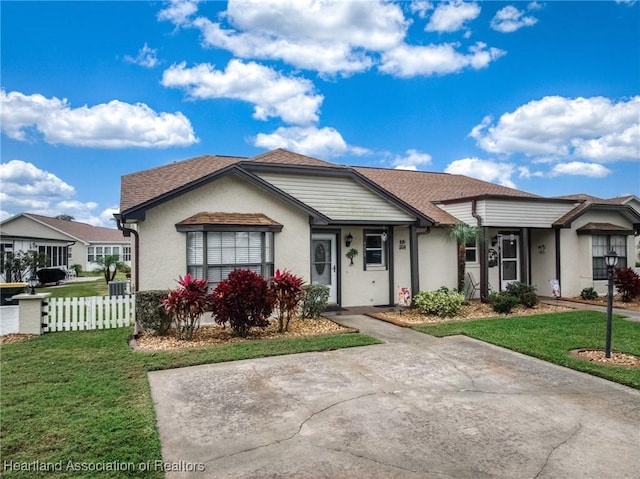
x: 324, y: 269
x: 509, y: 260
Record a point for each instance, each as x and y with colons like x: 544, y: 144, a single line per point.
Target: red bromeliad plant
x: 287, y: 291
x: 243, y: 300
x: 187, y: 304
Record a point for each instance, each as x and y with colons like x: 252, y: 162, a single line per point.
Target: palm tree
x: 462, y: 234
x: 109, y: 265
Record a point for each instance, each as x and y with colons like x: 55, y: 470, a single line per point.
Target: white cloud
x: 146, y: 57
x: 320, y: 142
x: 509, y: 19
x: 331, y: 37
x: 408, y: 61
x: 272, y: 94
x: 28, y: 181
x: 412, y: 160
x: 596, y: 128
x: 179, y: 12
x: 29, y: 189
x: 421, y: 7
x: 108, y: 125
x: 579, y: 168
x: 486, y: 170
x: 451, y: 16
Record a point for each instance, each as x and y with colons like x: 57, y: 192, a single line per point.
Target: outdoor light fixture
x: 611, y: 260
x: 32, y: 282
x: 384, y: 236
x: 348, y: 239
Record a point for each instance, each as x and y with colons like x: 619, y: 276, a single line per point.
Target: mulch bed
x: 598, y: 356
x: 211, y: 335
x: 15, y: 338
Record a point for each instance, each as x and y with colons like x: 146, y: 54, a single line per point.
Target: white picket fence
x: 92, y: 312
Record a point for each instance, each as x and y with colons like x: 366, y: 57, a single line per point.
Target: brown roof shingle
x: 422, y: 189
x: 235, y: 219
x: 83, y: 231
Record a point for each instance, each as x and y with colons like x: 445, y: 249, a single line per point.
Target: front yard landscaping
x: 553, y: 337
x: 82, y: 400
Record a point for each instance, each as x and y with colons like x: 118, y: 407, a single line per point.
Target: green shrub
x: 150, y: 313
x: 503, y: 302
x: 77, y: 268
x: 314, y: 302
x: 443, y: 303
x: 525, y: 293
x: 589, y: 293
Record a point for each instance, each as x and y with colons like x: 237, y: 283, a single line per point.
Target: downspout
x: 126, y: 232
x: 484, y: 272
x: 558, y: 259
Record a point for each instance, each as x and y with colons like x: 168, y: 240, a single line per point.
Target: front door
x: 324, y: 269
x: 509, y: 260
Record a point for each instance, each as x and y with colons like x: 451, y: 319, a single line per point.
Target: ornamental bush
x: 525, y: 293
x: 627, y: 284
x: 589, y: 293
x: 187, y: 304
x: 151, y: 315
x: 503, y: 302
x: 243, y: 301
x: 443, y: 303
x: 315, y: 300
x: 287, y: 292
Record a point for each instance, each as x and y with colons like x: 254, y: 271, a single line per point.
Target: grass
x: 552, y: 336
x: 84, y: 397
x: 98, y: 287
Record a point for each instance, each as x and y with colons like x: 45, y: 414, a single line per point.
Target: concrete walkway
x: 414, y: 407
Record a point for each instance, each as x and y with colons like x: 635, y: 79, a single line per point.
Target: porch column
x: 484, y: 270
x: 413, y: 258
x: 526, y: 256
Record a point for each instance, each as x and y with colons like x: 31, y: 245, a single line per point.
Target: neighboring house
x: 211, y: 214
x: 64, y: 243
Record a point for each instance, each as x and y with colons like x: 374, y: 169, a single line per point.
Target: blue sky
x: 541, y: 96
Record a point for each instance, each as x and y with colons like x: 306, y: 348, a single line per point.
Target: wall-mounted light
x: 541, y: 248
x: 384, y: 236
x: 348, y: 239
x: 494, y: 240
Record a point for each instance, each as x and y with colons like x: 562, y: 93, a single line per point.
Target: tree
x: 19, y: 265
x: 108, y: 265
x: 65, y: 217
x: 462, y: 234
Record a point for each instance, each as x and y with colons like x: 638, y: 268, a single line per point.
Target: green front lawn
x: 84, y: 397
x: 552, y: 336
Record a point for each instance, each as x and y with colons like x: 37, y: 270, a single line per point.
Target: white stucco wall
x: 163, y: 249
x: 437, y: 260
x: 360, y: 287
x: 543, y: 265
x: 576, y: 251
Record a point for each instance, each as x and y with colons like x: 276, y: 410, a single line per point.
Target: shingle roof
x: 422, y: 189
x: 589, y: 227
x: 82, y: 231
x: 236, y: 219
x: 587, y: 202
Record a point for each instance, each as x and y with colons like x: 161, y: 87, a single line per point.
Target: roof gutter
x: 484, y: 271
x: 126, y: 232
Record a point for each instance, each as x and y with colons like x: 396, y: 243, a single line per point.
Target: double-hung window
x: 471, y: 251
x: 601, y: 244
x: 375, y: 249
x: 212, y: 255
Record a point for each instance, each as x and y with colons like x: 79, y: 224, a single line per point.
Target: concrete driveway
x: 414, y: 407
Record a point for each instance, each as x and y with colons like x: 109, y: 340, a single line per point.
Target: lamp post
x: 611, y: 259
x: 32, y: 282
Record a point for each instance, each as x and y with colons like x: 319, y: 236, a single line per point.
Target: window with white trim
x: 601, y: 244
x: 213, y: 255
x: 375, y: 249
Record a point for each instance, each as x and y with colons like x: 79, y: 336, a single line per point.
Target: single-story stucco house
x: 211, y: 214
x: 64, y: 242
